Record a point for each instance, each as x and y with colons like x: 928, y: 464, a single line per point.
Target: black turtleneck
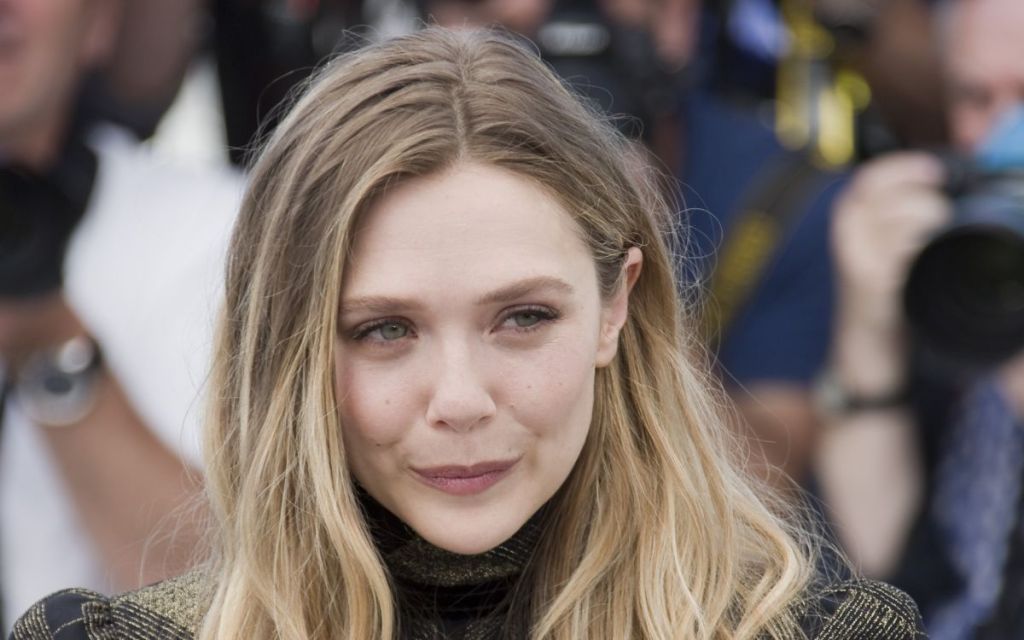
x: 441, y: 594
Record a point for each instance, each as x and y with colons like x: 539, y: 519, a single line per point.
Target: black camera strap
x: 776, y: 201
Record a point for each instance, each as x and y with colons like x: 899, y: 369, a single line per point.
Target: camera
x: 964, y: 295
x: 613, y: 66
x: 38, y: 213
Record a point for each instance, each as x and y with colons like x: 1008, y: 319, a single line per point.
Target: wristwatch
x: 833, y: 399
x: 57, y: 387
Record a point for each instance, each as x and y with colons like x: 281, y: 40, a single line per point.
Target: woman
x: 453, y: 395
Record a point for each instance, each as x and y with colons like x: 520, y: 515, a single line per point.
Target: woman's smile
x: 464, y: 480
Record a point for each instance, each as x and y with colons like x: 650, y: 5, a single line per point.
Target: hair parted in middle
x: 655, y: 534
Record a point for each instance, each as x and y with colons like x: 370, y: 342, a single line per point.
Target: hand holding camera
x: 881, y: 222
x: 935, y: 244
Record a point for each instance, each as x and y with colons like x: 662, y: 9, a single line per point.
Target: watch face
x: 59, y: 388
x: 58, y: 402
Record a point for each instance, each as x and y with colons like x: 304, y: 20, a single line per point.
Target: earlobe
x: 616, y: 310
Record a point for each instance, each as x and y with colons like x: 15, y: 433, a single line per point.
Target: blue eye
x: 382, y: 331
x: 524, y: 319
x: 393, y: 331
x: 528, y: 318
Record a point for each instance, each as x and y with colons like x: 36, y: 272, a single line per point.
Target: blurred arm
x: 867, y: 462
x: 780, y: 423
x: 126, y: 486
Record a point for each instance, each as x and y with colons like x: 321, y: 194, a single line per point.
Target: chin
x: 466, y: 546
x: 469, y: 531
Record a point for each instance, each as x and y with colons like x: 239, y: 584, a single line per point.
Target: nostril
x: 460, y: 404
x: 463, y: 417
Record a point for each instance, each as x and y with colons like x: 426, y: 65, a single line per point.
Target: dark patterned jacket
x: 170, y: 610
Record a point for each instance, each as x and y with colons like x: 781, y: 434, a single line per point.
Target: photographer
x: 921, y: 463
x: 108, y: 262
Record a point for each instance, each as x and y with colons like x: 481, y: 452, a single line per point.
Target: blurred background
x: 850, y: 185
x: 634, y: 58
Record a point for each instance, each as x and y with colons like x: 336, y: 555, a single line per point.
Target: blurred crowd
x: 850, y: 179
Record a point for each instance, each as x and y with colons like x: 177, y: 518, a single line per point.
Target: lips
x: 465, y: 480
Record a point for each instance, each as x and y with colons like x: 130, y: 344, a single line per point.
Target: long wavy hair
x: 655, y: 534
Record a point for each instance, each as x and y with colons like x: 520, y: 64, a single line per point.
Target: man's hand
x: 881, y: 222
x: 891, y: 208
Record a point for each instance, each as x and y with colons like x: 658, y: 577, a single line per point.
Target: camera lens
x: 992, y: 279
x: 965, y: 295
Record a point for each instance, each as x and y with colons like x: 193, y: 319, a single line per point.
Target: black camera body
x: 38, y: 213
x: 964, y: 295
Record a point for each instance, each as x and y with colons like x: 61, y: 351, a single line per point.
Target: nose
x: 460, y: 399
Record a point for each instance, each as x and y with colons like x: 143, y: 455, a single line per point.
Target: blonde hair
x: 654, y: 535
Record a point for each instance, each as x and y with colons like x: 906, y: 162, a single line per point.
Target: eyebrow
x: 378, y: 304
x: 508, y: 293
x: 517, y: 290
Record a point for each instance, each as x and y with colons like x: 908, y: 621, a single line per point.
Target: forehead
x: 474, y: 225
x: 986, y: 38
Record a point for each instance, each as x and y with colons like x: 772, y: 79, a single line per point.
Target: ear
x: 616, y: 309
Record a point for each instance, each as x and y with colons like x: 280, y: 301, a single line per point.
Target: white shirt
x: 144, y: 273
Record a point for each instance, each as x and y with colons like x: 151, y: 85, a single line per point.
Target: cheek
x: 553, y: 398
x: 374, y: 410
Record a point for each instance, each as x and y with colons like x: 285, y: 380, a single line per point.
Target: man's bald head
x: 984, y: 61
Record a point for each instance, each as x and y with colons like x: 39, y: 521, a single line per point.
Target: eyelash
x: 544, y: 314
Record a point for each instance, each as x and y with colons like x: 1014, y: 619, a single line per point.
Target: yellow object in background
x: 816, y: 104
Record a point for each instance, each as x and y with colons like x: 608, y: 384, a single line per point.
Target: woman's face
x: 471, y: 328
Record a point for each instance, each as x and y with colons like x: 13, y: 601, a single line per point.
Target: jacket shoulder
x: 858, y: 609
x: 168, y: 610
